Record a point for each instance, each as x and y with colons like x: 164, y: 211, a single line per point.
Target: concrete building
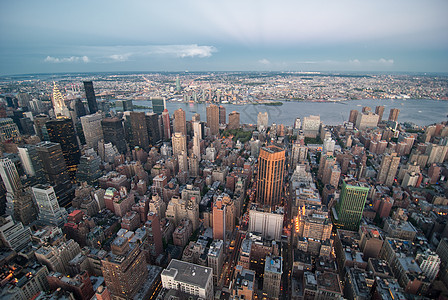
x: 269, y: 224
x: 366, y: 120
x: 388, y: 169
x: 93, y: 132
x: 311, y: 126
x: 47, y: 203
x: 213, y: 119
x: 348, y: 211
x: 179, y: 124
x: 215, y: 258
x: 262, y: 121
x: 234, y: 120
x: 14, y: 235
x: 273, y: 270
x: 179, y: 143
x: 189, y: 278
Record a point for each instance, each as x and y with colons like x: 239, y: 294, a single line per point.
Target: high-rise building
x: 18, y: 203
x: 154, y: 234
x: 152, y: 124
x: 90, y: 95
x: 180, y: 124
x: 60, y: 109
x: 158, y: 105
x: 353, y: 116
x: 55, y: 171
x: 215, y: 258
x: 139, y: 130
x: 197, y: 129
x: 113, y: 132
x: 393, y: 114
x: 366, y: 120
x: 349, y: 209
x: 189, y: 278
x: 388, y: 169
x: 273, y: 269
x: 311, y: 125
x: 79, y: 108
x: 379, y: 110
x: 124, y: 269
x: 93, y: 132
x: 262, y: 120
x: 8, y: 129
x: 234, y: 120
x: 268, y: 223
x: 271, y: 169
x: 166, y: 124
x: 222, y: 115
x: 213, y: 119
x: 14, y: 235
x: 89, y: 168
x: 124, y: 105
x: 178, y: 86
x: 179, y: 143
x: 41, y: 130
x: 50, y: 213
x: 62, y: 131
x: 219, y: 220
x: 197, y: 146
x: 31, y: 162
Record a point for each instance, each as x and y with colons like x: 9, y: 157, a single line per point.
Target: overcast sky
x: 210, y: 35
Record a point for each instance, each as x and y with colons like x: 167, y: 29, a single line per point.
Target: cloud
x: 384, y: 61
x: 183, y: 51
x: 354, y: 61
x: 120, y: 57
x: 71, y: 59
x: 264, y: 61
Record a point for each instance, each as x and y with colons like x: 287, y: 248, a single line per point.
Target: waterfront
x: 421, y: 112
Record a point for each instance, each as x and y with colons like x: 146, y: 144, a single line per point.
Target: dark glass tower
x: 158, y: 105
x: 113, y: 132
x: 63, y: 132
x: 152, y: 124
x: 90, y: 95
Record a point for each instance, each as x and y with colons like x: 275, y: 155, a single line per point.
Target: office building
x: 179, y: 143
x: 268, y: 224
x: 366, y: 120
x: 78, y: 107
x: 50, y: 213
x: 55, y: 171
x: 39, y: 124
x: 124, y: 269
x: 180, y: 124
x: 89, y: 168
x: 271, y: 169
x: 234, y: 120
x: 215, y: 258
x: 189, y: 278
x: 113, y: 132
x: 213, y: 119
x: 13, y: 234
x: 62, y: 131
x: 379, y: 110
x: 124, y: 105
x: 273, y: 269
x: 56, y: 258
x: 90, y: 96
x: 158, y: 105
x: 219, y: 220
x: 388, y: 169
x: 93, y: 132
x: 393, y: 114
x: 348, y: 211
x: 262, y: 120
x: 8, y: 129
x: 139, y: 132
x: 60, y: 109
x: 311, y: 126
x: 31, y: 162
x: 152, y: 124
x: 19, y: 204
x: 222, y: 115
x: 197, y: 129
x: 166, y: 124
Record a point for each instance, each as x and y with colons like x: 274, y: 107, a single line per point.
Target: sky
x: 52, y: 36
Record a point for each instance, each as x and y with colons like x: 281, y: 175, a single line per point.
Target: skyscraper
x: 180, y: 124
x: 91, y: 126
x: 179, y: 142
x: 213, y: 119
x: 158, y: 105
x: 139, y: 130
x: 388, y: 169
x: 262, y: 120
x: 8, y: 129
x: 124, y: 269
x: 379, y: 110
x: 222, y: 115
x: 219, y: 220
x: 60, y: 109
x: 31, y: 162
x: 62, y: 131
x: 271, y: 169
x: 166, y: 124
x: 113, y: 132
x: 90, y: 95
x: 393, y: 114
x: 152, y: 124
x: 47, y: 203
x: 234, y: 120
x: 55, y: 170
x: 349, y: 209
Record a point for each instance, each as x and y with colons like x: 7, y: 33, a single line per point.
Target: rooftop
x: 274, y: 264
x: 188, y: 273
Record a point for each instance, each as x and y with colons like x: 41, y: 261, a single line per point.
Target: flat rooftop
x: 188, y: 273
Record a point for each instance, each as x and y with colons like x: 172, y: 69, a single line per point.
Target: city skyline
x: 56, y: 37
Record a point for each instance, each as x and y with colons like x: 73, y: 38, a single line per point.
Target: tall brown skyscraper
x: 271, y: 169
x: 388, y: 169
x: 219, y: 220
x: 222, y: 115
x: 166, y: 124
x: 139, y: 130
x: 234, y: 120
x: 353, y: 116
x: 379, y: 110
x: 393, y: 114
x: 180, y: 124
x: 213, y: 119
